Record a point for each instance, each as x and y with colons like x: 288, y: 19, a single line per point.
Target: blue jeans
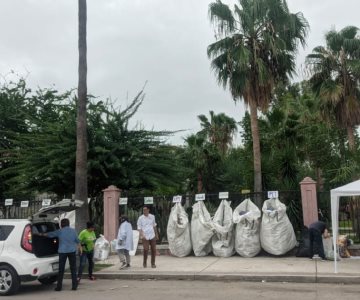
x: 316, y: 243
x: 89, y: 257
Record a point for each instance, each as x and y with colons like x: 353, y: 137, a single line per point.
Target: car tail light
x: 26, y: 240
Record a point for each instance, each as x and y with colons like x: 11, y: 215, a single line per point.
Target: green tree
x: 41, y: 156
x: 202, y: 159
x: 219, y: 130
x: 335, y: 79
x: 255, y: 48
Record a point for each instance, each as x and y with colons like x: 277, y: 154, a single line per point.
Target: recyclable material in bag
x: 246, y: 217
x: 329, y: 249
x: 102, y: 248
x: 113, y: 246
x: 223, y: 239
x: 178, y: 232
x: 277, y: 235
x: 202, y: 229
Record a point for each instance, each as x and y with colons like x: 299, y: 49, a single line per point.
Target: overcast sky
x: 133, y: 41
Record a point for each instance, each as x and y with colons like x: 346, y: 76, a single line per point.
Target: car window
x: 5, y: 231
x: 44, y: 227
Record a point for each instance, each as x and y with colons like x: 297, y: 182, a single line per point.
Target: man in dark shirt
x: 317, y: 230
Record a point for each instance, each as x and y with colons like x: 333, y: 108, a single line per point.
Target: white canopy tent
x: 350, y: 189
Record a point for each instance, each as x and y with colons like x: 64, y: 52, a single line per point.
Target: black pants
x: 62, y: 262
x: 316, y: 243
x: 89, y: 256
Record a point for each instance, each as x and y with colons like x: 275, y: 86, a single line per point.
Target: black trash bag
x: 304, y: 245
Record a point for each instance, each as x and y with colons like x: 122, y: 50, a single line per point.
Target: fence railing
x: 162, y: 208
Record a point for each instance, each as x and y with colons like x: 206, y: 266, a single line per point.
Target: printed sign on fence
x: 273, y: 194
x: 199, y: 197
x: 177, y: 199
x: 9, y: 202
x: 123, y: 201
x: 224, y: 195
x: 46, y: 202
x: 24, y: 203
x: 148, y: 200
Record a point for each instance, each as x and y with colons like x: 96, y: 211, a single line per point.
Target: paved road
x: 179, y: 290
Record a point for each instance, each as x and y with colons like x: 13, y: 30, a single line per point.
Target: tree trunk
x: 199, y: 183
x: 351, y: 139
x: 256, y: 152
x: 319, y: 179
x: 81, y: 191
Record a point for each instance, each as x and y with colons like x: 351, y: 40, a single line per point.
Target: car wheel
x: 48, y: 280
x: 9, y: 281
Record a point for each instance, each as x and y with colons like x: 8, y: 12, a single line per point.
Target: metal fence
x: 17, y: 211
x: 161, y: 208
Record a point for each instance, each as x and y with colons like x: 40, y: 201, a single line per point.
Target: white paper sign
x: 177, y: 199
x: 9, y: 202
x: 123, y: 201
x: 24, y: 203
x: 199, y: 197
x: 46, y: 202
x: 273, y: 194
x: 224, y: 195
x: 148, y: 200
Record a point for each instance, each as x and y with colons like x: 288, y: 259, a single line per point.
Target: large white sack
x: 101, y: 248
x: 246, y: 216
x: 223, y: 239
x: 178, y: 231
x: 202, y: 229
x: 277, y: 235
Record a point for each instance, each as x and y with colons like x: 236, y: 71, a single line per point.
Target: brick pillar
x: 309, y: 200
x: 111, y: 212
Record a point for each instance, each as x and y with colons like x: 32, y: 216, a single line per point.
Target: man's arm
x: 139, y: 226
x: 155, y: 230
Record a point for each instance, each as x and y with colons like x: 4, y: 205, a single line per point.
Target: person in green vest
x: 87, y: 239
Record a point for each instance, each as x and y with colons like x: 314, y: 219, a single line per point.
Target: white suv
x: 27, y: 257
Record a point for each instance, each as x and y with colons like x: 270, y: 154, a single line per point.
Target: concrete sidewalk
x: 260, y: 268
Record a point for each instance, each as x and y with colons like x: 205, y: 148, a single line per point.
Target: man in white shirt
x: 148, y: 233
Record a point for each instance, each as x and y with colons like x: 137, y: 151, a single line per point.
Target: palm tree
x: 335, y: 79
x: 195, y: 158
x: 255, y: 49
x: 220, y: 130
x: 81, y: 189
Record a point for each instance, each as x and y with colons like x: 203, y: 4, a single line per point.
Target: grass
x: 99, y: 267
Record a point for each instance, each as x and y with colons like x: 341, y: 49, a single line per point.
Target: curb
x: 329, y: 279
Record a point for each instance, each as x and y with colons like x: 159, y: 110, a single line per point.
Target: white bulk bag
x: 178, y: 231
x: 246, y: 216
x: 277, y: 235
x: 101, y: 248
x: 202, y: 229
x: 223, y: 239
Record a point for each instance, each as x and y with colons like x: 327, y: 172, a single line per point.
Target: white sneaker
x: 123, y: 266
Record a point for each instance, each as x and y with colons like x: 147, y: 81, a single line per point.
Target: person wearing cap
x: 124, y: 242
x: 87, y: 239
